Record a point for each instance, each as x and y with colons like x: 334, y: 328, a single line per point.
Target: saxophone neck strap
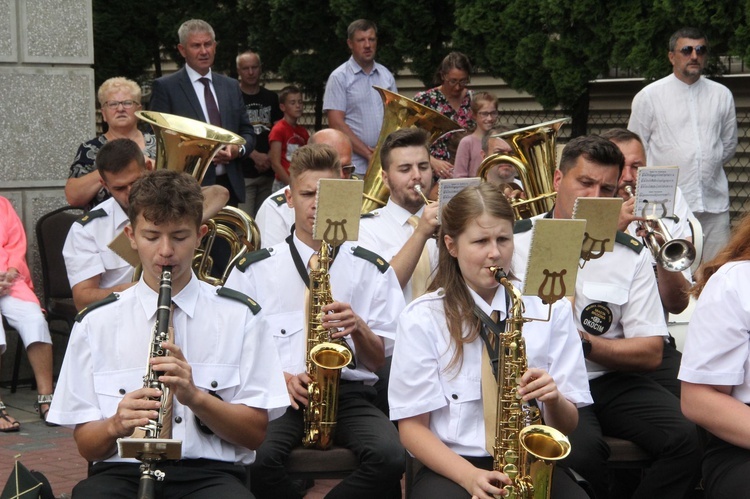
x: 496, y: 329
x: 297, y: 259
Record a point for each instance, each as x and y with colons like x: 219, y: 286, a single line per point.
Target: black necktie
x: 214, y: 117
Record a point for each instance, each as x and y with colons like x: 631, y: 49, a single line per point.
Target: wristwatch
x: 585, y: 344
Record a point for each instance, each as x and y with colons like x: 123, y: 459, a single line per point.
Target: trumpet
x: 674, y: 255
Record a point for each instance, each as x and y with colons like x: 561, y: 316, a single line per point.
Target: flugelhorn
x: 674, y: 255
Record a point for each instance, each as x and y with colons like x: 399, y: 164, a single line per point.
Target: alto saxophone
x: 525, y: 449
x: 325, y: 359
x: 150, y: 446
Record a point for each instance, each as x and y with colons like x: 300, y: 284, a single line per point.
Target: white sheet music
x: 449, y: 187
x: 655, y: 191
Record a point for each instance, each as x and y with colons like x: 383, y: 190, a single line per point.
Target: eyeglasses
x: 461, y: 83
x: 487, y: 114
x: 126, y: 104
x: 699, y: 50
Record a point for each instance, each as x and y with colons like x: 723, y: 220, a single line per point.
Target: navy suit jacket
x: 174, y: 94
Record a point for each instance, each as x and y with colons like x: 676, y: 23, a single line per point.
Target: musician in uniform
x: 275, y: 217
x: 224, y: 374
x: 95, y: 270
x: 435, y: 387
x: 622, y: 330
x: 714, y: 372
x: 402, y: 230
x: 367, y: 301
x: 673, y: 286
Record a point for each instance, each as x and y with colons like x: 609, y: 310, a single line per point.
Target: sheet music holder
x: 602, y: 216
x: 552, y: 265
x: 337, y: 212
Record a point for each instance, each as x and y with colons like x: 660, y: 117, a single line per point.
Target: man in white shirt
x: 223, y: 374
x: 275, y: 217
x: 687, y: 120
x: 350, y: 102
x: 621, y: 324
x: 402, y: 230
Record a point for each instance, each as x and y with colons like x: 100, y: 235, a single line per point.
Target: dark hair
x: 737, y: 249
x: 465, y: 206
x: 166, y: 196
x: 360, y: 25
x: 116, y: 155
x: 454, y: 60
x: 493, y: 131
x: 621, y: 136
x: 405, y: 137
x: 286, y: 91
x: 315, y: 157
x: 594, y: 148
x: 686, y: 32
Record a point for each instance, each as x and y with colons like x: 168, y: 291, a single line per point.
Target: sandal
x: 40, y: 401
x: 15, y: 425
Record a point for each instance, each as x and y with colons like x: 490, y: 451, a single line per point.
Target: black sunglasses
x: 699, y: 50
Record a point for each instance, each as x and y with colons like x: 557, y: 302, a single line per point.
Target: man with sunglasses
x: 687, y: 120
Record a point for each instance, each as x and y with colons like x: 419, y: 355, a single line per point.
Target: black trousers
x: 189, y: 478
x: 634, y: 407
x: 726, y: 469
x: 360, y: 427
x: 666, y: 373
x: 430, y: 485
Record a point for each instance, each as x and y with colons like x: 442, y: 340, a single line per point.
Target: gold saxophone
x: 325, y: 359
x: 525, y: 449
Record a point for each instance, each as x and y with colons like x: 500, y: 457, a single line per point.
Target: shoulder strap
x: 522, y: 226
x: 279, y: 199
x: 86, y: 218
x: 372, y: 257
x: 240, y: 297
x: 253, y: 257
x: 629, y: 241
x: 113, y: 297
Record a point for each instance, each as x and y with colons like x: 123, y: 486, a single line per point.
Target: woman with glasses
x: 452, y: 99
x: 119, y: 99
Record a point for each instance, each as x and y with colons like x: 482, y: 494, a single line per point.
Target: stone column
x: 47, y: 106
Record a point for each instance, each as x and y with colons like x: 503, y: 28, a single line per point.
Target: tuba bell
x: 399, y: 112
x: 535, y: 158
x: 188, y: 146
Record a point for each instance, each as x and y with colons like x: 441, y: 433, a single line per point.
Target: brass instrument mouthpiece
x: 629, y: 190
x: 418, y: 188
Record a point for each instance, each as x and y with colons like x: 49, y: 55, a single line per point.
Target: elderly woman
x: 452, y: 99
x: 119, y: 99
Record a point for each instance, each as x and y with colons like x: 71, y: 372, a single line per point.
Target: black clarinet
x: 160, y: 334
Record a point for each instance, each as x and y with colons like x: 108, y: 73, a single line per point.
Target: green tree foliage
x: 548, y: 48
x: 125, y: 42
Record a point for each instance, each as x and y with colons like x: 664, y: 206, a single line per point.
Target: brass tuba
x: 535, y: 158
x: 524, y: 449
x: 399, y: 112
x: 325, y: 359
x: 188, y: 146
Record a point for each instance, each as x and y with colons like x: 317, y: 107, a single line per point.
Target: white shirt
x: 717, y: 347
x: 693, y: 127
x: 374, y: 296
x: 386, y: 231
x: 86, y: 253
x: 275, y: 219
x: 220, y: 337
x: 616, y: 295
x: 420, y: 382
